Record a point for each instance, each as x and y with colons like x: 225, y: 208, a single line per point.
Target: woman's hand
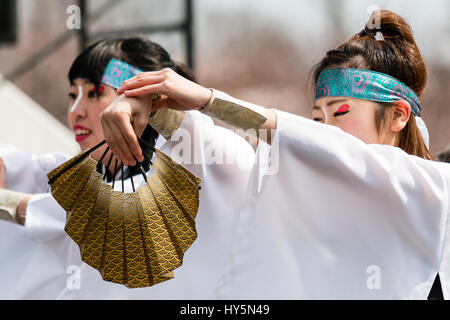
x: 2, y: 174
x: 177, y: 92
x: 21, y: 211
x: 124, y: 120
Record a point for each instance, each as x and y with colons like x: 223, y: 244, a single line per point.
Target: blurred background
x: 256, y: 50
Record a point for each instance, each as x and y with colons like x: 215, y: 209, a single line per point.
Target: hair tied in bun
x: 373, y: 25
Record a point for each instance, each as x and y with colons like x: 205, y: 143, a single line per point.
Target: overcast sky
x: 307, y: 20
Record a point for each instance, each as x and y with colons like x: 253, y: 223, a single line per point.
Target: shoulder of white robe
x: 444, y: 271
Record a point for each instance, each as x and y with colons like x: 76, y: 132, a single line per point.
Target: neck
x: 389, y: 138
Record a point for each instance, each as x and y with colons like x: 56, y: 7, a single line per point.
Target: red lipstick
x: 81, y: 133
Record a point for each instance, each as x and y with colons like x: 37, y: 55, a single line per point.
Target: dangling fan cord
x: 107, y: 166
x: 114, y: 175
x: 99, y: 164
x: 77, y: 161
x: 87, y: 153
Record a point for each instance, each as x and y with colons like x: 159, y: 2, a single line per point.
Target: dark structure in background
x: 8, y: 21
x: 444, y: 156
x: 185, y: 26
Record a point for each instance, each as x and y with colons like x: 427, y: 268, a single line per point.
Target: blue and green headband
x: 369, y: 85
x: 117, y: 72
x: 365, y: 84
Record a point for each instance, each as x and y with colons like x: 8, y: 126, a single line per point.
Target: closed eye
x: 337, y: 114
x: 342, y: 110
x: 92, y: 94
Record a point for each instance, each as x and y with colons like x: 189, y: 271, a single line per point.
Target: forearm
x: 166, y: 121
x: 253, y: 119
x: 176, y: 93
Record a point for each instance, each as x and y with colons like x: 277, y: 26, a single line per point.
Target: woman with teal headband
x: 350, y: 209
x: 94, y: 78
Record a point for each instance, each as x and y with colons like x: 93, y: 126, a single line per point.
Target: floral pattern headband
x: 369, y: 85
x: 117, y: 72
x: 365, y: 84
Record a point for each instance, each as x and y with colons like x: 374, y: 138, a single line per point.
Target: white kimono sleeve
x: 28, y: 173
x: 331, y: 217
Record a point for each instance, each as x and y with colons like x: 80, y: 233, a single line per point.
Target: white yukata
x: 27, y: 173
x: 203, y: 261
x: 339, y: 219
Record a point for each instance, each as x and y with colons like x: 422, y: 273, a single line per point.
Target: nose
x: 325, y: 114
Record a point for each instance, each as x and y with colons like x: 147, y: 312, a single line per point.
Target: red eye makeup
x: 96, y: 93
x: 101, y: 89
x: 342, y: 110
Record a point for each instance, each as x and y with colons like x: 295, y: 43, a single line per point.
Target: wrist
x: 166, y: 121
x: 207, y: 99
x: 151, y: 99
x: 9, y: 203
x: 21, y: 210
x: 235, y: 112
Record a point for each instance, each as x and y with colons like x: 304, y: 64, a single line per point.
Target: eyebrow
x: 329, y: 103
x: 73, y: 86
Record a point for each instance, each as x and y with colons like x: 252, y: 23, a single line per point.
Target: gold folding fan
x: 136, y: 239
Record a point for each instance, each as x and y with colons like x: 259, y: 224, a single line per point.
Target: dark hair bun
x: 393, y: 51
x: 391, y: 25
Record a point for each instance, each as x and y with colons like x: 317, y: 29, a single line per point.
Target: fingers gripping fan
x: 136, y: 239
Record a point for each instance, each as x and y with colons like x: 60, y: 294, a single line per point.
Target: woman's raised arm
x: 127, y: 117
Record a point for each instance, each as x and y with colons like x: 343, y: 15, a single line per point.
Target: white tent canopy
x: 26, y: 125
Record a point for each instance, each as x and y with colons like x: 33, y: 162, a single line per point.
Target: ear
x: 400, y: 117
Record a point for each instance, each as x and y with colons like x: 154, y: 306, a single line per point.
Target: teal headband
x: 365, y: 84
x: 117, y: 72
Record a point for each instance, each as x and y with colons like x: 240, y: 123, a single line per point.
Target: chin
x: 89, y: 142
x: 83, y: 146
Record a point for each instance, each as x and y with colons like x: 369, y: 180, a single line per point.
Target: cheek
x: 361, y: 129
x: 350, y: 126
x: 70, y: 116
x: 70, y: 119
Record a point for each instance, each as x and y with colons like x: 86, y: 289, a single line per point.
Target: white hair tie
x: 424, y: 131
